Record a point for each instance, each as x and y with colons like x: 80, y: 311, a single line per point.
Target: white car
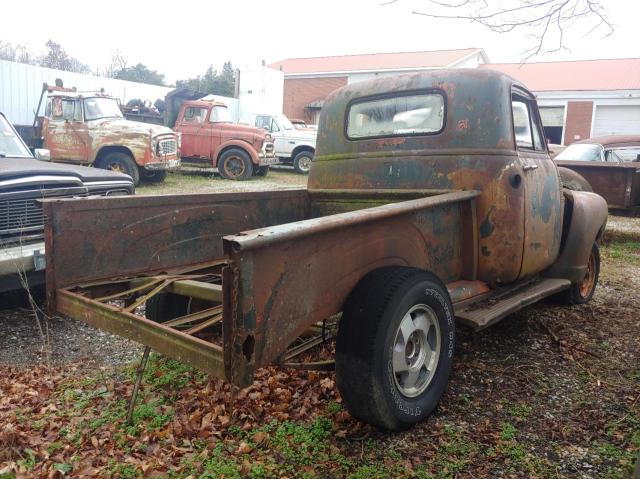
x: 292, y: 146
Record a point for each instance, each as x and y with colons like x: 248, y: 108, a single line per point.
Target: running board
x: 491, y: 310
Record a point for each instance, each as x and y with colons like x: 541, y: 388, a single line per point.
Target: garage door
x: 617, y: 120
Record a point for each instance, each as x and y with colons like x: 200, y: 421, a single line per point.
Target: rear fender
x: 585, y: 220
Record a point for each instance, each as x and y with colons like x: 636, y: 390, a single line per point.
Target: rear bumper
x: 22, y: 259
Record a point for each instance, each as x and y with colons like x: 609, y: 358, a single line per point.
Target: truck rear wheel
x: 582, y: 292
x: 120, y: 162
x: 395, y: 346
x: 153, y: 176
x: 302, y: 162
x: 235, y: 164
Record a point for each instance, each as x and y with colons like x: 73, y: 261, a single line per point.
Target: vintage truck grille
x: 167, y: 147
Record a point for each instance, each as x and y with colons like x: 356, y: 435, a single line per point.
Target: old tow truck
x: 432, y: 197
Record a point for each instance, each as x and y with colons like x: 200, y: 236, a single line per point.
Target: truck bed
x: 259, y: 269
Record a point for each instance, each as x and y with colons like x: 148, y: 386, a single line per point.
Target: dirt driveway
x: 552, y: 391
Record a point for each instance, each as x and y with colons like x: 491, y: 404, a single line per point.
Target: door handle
x: 530, y: 167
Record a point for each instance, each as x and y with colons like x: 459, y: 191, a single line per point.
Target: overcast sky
x: 181, y: 39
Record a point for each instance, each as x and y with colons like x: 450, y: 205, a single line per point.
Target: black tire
x: 302, y: 162
x: 122, y: 163
x: 235, y: 164
x: 369, y: 334
x: 153, y: 176
x: 261, y: 170
x: 582, y: 292
x: 165, y: 306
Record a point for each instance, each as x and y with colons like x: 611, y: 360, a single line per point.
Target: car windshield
x: 220, y: 114
x: 10, y: 143
x: 96, y: 108
x: 581, y: 152
x: 284, y: 122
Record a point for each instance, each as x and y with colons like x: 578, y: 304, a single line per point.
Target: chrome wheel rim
x: 416, y: 350
x: 304, y: 163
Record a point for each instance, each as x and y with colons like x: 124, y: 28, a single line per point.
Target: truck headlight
x: 268, y: 137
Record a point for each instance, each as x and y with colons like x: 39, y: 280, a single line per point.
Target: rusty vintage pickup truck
x: 432, y: 198
x: 87, y: 128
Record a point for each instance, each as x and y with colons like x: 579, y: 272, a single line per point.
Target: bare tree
x: 56, y: 57
x: 119, y: 62
x: 15, y: 53
x: 545, y: 22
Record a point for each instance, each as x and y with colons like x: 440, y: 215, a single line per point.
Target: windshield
x: 284, y: 122
x: 96, y: 108
x: 581, y: 153
x: 10, y: 142
x: 220, y: 114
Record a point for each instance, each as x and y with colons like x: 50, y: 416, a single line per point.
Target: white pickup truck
x: 292, y: 146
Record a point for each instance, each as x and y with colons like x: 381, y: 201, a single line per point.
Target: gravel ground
x: 30, y: 340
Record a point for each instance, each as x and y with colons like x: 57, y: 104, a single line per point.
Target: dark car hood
x: 22, y: 167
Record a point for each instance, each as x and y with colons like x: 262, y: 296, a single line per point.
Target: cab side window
x: 194, y: 115
x: 56, y: 109
x: 526, y: 125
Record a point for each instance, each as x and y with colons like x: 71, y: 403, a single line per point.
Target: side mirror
x: 42, y: 154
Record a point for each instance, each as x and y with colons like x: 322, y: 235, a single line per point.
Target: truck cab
x: 89, y: 129
x: 293, y: 146
x: 211, y: 139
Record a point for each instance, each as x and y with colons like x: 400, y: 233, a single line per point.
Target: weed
x: 369, y: 472
x: 30, y: 459
x: 520, y: 411
x: 334, y: 407
x: 62, y: 467
x: 507, y: 431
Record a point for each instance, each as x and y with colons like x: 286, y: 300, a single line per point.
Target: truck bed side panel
x: 105, y: 238
x: 291, y: 276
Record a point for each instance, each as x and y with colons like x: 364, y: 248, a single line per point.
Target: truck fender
x: 243, y: 145
x: 585, y: 218
x: 302, y: 147
x: 572, y: 180
x: 106, y: 149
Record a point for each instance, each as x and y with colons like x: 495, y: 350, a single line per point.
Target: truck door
x: 65, y: 134
x: 543, y: 197
x: 196, y: 133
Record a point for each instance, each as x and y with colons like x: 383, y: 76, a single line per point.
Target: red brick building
x: 578, y: 99
x: 581, y: 99
x: 308, y: 81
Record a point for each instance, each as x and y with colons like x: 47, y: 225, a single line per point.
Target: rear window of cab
x: 401, y: 114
